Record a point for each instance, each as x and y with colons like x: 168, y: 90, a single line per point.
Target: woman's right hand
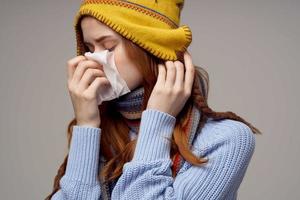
x: 85, y: 77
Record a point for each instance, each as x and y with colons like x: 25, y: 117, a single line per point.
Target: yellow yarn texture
x: 151, y: 24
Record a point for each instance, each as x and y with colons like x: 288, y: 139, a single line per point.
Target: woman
x: 161, y: 140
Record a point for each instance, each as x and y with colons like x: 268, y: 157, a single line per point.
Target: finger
x: 82, y: 66
x: 189, y: 72
x: 71, y: 65
x: 179, y: 82
x: 97, y: 84
x: 89, y: 76
x: 171, y: 73
x: 161, y: 78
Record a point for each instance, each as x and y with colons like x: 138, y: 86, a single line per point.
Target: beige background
x: 250, y: 49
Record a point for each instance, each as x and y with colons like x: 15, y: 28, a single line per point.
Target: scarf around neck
x: 130, y: 107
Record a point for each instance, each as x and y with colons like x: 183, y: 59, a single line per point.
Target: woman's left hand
x: 173, y: 86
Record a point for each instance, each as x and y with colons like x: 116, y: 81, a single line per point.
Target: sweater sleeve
x: 80, y: 180
x: 149, y: 176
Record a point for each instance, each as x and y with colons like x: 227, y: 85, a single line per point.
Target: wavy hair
x: 115, y: 132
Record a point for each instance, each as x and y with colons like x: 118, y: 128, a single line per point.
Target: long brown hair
x: 115, y: 132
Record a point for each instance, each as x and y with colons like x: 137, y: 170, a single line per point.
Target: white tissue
x: 118, y: 84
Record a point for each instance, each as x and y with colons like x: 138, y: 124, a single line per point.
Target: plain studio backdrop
x: 249, y: 48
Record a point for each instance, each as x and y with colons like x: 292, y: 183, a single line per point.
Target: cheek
x: 120, y: 63
x: 125, y: 66
x: 127, y: 70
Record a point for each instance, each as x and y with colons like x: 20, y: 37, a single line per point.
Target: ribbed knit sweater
x: 228, y: 144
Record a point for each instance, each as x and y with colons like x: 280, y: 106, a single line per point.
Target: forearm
x: 80, y: 180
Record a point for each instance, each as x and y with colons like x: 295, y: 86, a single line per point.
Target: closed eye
x: 111, y: 49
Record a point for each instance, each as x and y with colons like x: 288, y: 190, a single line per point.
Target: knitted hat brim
x: 161, y: 38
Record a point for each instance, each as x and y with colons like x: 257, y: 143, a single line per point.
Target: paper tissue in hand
x: 118, y: 84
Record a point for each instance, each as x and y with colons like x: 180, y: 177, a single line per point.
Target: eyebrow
x: 98, y: 40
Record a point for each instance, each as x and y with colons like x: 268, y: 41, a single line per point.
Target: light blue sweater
x: 228, y: 144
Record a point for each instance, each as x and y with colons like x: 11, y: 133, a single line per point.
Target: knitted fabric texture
x: 151, y: 24
x: 130, y: 107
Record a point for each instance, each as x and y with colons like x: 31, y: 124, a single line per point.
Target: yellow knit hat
x: 151, y: 24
